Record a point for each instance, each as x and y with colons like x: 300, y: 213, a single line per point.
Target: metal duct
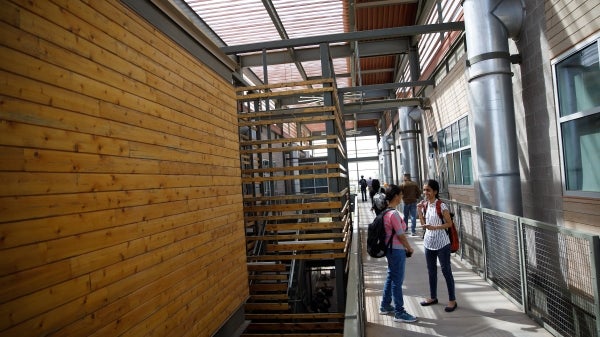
x: 407, y: 132
x: 386, y: 147
x: 488, y: 25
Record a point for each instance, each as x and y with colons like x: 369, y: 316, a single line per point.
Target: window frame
x: 450, y: 154
x: 562, y: 120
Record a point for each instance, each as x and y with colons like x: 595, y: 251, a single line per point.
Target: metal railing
x: 550, y: 272
x: 354, y: 322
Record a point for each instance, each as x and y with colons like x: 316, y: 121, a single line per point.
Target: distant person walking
x: 410, y: 195
x: 436, y: 243
x: 363, y: 187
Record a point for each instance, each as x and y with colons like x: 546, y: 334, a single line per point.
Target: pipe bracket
x: 491, y: 73
x: 488, y: 56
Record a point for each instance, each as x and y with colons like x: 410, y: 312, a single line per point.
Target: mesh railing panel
x: 471, y: 243
x: 560, y: 289
x: 502, y: 254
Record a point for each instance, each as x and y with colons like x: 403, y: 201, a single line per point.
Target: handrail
x: 355, y: 291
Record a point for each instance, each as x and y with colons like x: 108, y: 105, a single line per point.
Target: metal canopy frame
x: 396, y: 42
x: 374, y: 45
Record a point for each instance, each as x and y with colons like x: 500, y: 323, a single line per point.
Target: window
x: 463, y: 128
x: 455, y: 149
x: 451, y: 172
x: 441, y: 141
x: 577, y: 79
x: 455, y: 137
x: 314, y: 185
x: 448, y: 141
x: 466, y: 167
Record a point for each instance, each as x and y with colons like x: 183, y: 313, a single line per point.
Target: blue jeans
x: 392, y: 288
x: 411, y: 210
x: 443, y: 255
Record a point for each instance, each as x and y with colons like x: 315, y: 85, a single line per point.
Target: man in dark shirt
x: 410, y: 194
x: 363, y: 187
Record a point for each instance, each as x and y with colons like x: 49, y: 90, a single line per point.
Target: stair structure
x: 296, y: 205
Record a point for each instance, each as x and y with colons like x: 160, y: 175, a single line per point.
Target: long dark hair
x: 434, y: 186
x: 391, y: 192
x: 375, y: 184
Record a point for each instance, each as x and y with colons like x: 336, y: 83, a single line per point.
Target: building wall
x: 536, y: 120
x: 569, y: 23
x: 449, y: 102
x: 550, y: 29
x: 121, y: 205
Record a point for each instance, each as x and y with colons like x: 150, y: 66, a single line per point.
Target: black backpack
x: 376, y: 245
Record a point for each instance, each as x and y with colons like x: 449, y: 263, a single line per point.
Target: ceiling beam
x: 367, y: 49
x: 281, y: 30
x: 364, y: 108
x: 385, y: 3
x: 376, y: 71
x: 346, y: 37
x: 388, y: 86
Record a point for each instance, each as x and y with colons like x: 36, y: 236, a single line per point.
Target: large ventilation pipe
x: 488, y: 25
x: 407, y: 133
x: 386, y: 147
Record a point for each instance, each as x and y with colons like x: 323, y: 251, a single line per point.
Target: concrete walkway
x: 482, y: 310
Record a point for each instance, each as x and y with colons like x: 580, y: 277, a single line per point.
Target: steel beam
x: 382, y: 105
x: 396, y: 32
x: 367, y: 49
x: 388, y: 86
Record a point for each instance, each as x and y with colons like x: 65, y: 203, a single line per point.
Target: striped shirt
x: 435, y: 239
x: 392, y: 219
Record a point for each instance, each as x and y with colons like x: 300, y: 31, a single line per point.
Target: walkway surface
x: 482, y: 310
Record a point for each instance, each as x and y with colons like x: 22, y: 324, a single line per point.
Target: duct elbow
x: 416, y: 114
x: 511, y: 13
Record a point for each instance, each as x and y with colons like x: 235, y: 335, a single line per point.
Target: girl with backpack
x: 396, y: 259
x: 437, y: 243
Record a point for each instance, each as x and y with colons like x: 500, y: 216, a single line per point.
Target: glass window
x: 449, y: 144
x: 581, y: 146
x: 466, y: 166
x: 441, y: 141
x: 459, y: 163
x: 457, y: 170
x: 463, y: 126
x: 451, y: 175
x: 430, y: 144
x: 579, y: 81
x: 578, y: 88
x: 455, y: 137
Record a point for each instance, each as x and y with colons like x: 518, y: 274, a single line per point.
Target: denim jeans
x: 392, y: 288
x: 443, y: 255
x: 411, y: 210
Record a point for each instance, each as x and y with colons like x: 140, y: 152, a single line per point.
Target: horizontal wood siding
x: 569, y: 22
x: 121, y: 204
x: 582, y: 213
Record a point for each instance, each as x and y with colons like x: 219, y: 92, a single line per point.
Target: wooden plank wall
x: 569, y: 22
x: 120, y: 198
